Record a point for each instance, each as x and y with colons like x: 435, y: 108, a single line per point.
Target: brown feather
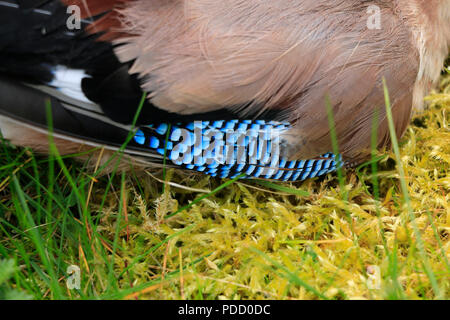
x: 110, y: 24
x: 37, y: 139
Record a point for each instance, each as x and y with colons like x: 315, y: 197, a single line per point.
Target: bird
x: 233, y: 89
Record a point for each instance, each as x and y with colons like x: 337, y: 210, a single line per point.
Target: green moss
x: 307, y: 240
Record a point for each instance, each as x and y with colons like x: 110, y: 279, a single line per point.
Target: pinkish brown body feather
x: 286, y: 55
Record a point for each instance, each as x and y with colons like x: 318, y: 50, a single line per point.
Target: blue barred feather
x: 227, y: 149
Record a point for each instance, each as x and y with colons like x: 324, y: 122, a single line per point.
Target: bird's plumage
x: 244, y: 61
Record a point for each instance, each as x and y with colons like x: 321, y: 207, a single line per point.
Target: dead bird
x: 226, y: 88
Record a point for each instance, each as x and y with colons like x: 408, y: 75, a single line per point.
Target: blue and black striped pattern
x: 227, y: 149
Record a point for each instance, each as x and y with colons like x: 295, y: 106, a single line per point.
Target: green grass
x: 196, y: 237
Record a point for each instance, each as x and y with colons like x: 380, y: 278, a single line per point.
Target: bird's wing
x: 253, y: 150
x: 217, y: 62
